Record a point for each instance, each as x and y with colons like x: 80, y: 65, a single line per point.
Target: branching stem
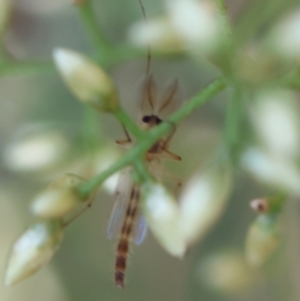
x: 146, y: 139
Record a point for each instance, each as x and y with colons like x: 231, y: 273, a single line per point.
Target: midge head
x: 153, y: 105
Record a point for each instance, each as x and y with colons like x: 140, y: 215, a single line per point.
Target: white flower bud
x: 163, y: 217
x: 58, y: 199
x: 35, y: 148
x: 196, y: 22
x: 262, y: 239
x: 285, y: 39
x: 33, y: 250
x: 203, y: 200
x: 159, y: 33
x: 274, y: 116
x: 188, y: 25
x: 89, y: 83
x: 272, y: 170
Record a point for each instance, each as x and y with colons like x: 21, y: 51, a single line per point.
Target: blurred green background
x: 82, y: 269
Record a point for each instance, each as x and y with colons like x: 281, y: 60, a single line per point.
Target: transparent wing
x: 169, y: 99
x: 140, y: 230
x: 120, y: 204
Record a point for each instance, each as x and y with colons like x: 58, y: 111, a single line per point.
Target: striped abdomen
x: 126, y: 232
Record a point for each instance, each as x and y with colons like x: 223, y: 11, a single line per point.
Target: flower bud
x: 285, y: 39
x: 33, y: 250
x: 203, y: 200
x: 163, y: 217
x: 58, y: 199
x: 159, y: 33
x: 275, y: 119
x: 226, y: 272
x: 89, y: 83
x: 188, y: 25
x: 197, y: 23
x: 273, y: 170
x: 262, y: 239
x: 44, y: 147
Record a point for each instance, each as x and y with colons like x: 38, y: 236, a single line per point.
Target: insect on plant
x: 126, y: 219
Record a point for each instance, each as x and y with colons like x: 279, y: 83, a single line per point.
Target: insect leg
x: 124, y: 141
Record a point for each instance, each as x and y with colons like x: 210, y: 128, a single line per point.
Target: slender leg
x: 171, y: 155
x: 82, y: 210
x: 124, y: 141
x: 175, y: 179
x: 162, y: 171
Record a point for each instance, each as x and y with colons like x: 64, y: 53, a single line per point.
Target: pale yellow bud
x: 226, y: 272
x: 163, y: 217
x: 33, y: 250
x: 58, y: 199
x: 89, y: 83
x: 262, y: 239
x: 203, y: 200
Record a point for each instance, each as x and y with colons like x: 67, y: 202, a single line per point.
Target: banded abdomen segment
x: 125, y: 236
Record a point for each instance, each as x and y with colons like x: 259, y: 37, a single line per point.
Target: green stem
x: 98, y: 39
x: 17, y: 68
x: 128, y: 123
x: 142, y: 171
x: 228, y: 42
x: 91, y: 135
x: 199, y: 99
x: 232, y: 132
x: 147, y: 139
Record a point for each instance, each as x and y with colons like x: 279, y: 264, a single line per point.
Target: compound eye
x: 146, y: 119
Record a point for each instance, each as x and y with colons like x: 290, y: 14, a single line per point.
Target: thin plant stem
x: 227, y: 36
x: 9, y: 68
x: 147, y: 139
x: 97, y: 37
x: 232, y: 132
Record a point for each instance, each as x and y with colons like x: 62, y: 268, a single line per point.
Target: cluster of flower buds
x: 264, y: 233
x: 188, y: 25
x: 35, y: 247
x: 178, y: 225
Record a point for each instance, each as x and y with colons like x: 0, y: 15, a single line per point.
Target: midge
x: 126, y: 219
